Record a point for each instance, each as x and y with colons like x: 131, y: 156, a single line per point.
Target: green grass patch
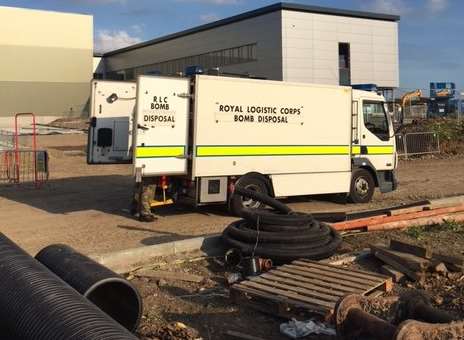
x: 418, y: 232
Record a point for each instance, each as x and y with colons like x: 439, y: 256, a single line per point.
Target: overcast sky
x: 431, y: 31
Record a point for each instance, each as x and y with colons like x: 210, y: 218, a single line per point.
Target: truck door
x: 162, y: 117
x: 377, y: 142
x: 111, y: 118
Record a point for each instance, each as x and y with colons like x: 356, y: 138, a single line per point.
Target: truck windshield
x: 375, y: 119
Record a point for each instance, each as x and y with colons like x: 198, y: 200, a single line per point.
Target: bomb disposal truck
x: 199, y: 137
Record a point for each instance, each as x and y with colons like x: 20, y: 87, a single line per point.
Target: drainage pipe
x: 109, y: 291
x: 36, y: 304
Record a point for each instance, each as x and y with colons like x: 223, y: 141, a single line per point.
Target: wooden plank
x: 167, y: 275
x: 288, y: 285
x: 240, y: 335
x: 409, y: 210
x: 329, y: 280
x: 289, y: 294
x: 457, y: 217
x: 277, y: 298
x: 388, y: 210
x: 398, y: 266
x: 414, y: 263
x: 274, y: 304
x: 294, y: 275
x: 351, y: 272
x: 411, y: 249
x: 336, y: 275
x: 291, y: 280
x: 381, y: 220
x: 396, y: 275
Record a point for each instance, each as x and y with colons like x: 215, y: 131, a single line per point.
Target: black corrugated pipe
x: 35, y: 304
x: 109, y: 291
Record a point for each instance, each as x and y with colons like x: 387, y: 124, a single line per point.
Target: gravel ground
x: 86, y: 206
x: 207, y: 311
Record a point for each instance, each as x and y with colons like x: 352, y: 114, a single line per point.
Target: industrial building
x: 45, y: 63
x: 289, y: 42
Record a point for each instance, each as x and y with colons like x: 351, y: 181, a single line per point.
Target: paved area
x: 86, y: 206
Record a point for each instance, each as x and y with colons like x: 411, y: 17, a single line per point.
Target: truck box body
x: 274, y: 128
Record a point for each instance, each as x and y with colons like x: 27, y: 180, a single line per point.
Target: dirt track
x: 86, y: 206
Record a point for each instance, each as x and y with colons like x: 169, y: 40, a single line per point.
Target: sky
x: 431, y: 31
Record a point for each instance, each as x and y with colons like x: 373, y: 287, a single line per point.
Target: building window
x: 344, y: 66
x: 209, y: 60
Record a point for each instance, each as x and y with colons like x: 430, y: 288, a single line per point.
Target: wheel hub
x: 362, y: 186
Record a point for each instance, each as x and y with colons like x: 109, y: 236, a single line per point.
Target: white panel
x: 315, y: 109
x: 370, y: 41
x: 112, y: 107
x: 311, y: 184
x: 325, y: 35
x: 162, y: 125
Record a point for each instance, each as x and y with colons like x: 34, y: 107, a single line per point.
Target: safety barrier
x: 417, y: 143
x: 24, y: 166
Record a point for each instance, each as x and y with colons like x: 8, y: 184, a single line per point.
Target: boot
x: 147, y: 218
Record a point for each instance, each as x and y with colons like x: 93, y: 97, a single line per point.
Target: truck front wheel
x: 362, y: 186
x: 255, y: 183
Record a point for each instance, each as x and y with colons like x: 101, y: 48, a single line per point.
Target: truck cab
x: 373, y: 144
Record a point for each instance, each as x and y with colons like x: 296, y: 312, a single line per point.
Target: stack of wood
x: 424, y: 213
x: 403, y: 260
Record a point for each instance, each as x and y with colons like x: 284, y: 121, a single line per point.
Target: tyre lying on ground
x: 279, y: 234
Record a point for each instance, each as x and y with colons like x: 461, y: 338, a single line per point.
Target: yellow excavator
x: 408, y: 96
x: 407, y: 114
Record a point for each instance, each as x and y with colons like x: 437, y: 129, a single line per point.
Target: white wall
x: 98, y: 65
x: 310, y: 48
x: 264, y: 30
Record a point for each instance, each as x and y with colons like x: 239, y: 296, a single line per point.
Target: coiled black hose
x: 37, y: 305
x: 281, y: 235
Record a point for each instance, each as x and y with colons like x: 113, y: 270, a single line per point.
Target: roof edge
x: 255, y: 13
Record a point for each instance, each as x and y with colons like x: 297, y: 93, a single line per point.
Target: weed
x: 415, y: 232
x: 418, y: 232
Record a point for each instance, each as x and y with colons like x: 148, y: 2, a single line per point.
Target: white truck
x: 199, y: 137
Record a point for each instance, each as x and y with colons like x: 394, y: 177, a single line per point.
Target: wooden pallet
x: 305, y: 288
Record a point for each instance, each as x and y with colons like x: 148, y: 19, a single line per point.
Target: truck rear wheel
x: 362, y: 186
x: 255, y: 183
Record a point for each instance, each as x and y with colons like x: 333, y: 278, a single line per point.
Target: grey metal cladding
x: 257, y: 12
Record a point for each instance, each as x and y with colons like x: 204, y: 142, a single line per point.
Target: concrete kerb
x: 126, y: 260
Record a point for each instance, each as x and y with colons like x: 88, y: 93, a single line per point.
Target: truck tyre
x: 362, y: 186
x: 254, y: 183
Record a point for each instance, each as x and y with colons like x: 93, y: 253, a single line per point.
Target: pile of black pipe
x: 37, y: 304
x: 109, y: 291
x: 279, y: 234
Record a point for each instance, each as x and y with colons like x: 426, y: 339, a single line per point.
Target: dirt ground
x: 86, y: 206
x: 206, y: 308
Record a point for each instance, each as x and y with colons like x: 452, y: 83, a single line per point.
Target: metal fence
x: 23, y: 166
x: 417, y: 143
